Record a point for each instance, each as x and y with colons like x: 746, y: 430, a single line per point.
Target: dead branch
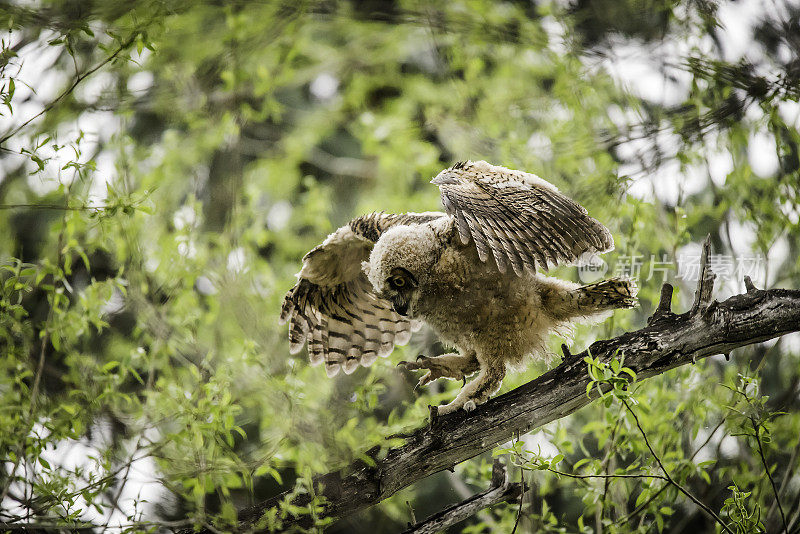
x: 501, y: 490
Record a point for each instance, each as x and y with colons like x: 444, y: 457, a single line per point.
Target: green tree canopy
x: 164, y: 165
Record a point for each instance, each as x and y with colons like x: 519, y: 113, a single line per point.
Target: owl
x: 471, y: 274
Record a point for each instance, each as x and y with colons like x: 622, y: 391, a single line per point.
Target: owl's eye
x: 397, y: 282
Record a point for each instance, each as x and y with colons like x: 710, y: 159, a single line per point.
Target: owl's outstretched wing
x: 519, y: 218
x: 333, y: 307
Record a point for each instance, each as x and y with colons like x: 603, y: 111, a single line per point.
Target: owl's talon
x: 452, y: 407
x: 434, y: 414
x: 469, y: 406
x: 424, y: 380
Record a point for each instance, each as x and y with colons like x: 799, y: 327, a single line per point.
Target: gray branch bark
x: 501, y: 490
x: 669, y: 340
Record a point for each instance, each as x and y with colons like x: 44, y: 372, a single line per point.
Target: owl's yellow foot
x: 476, y: 392
x: 456, y: 405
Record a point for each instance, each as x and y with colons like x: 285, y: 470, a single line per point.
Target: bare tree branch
x: 501, y: 490
x: 668, y: 341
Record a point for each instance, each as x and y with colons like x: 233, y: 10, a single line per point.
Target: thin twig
x: 521, y: 499
x: 796, y: 509
x: 625, y: 519
x: 608, y: 475
x: 123, y: 482
x: 710, y: 435
x: 606, y: 463
x: 786, y: 477
x: 72, y: 87
x: 51, y: 207
x: 680, y: 488
x: 40, y: 364
x: 635, y: 511
x: 757, y: 429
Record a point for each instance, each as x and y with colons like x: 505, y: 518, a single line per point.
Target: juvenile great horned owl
x: 469, y: 273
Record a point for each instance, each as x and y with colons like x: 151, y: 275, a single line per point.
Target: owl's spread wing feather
x: 333, y: 307
x: 519, y: 218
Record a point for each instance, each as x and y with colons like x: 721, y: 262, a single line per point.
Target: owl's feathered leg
x: 564, y: 302
x: 479, y: 390
x: 454, y: 366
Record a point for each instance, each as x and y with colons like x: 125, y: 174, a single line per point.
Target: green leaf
x: 642, y: 498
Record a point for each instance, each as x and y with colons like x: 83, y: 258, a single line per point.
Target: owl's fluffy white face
x: 400, y: 261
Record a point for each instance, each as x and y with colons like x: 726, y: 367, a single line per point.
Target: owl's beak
x: 400, y: 307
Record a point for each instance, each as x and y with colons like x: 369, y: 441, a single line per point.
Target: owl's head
x: 400, y: 262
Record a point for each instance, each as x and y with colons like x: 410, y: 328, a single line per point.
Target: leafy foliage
x: 165, y: 164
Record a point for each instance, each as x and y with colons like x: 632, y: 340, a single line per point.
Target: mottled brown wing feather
x: 520, y: 219
x: 333, y: 307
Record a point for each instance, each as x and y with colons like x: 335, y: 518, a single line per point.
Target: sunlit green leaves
x: 151, y: 225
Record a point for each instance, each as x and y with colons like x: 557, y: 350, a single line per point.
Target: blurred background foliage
x: 165, y: 165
